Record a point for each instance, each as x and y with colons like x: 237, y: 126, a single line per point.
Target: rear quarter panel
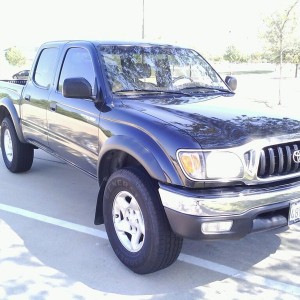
x: 10, y: 97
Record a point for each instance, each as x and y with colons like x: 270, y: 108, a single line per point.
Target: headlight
x: 221, y: 164
x: 205, y: 165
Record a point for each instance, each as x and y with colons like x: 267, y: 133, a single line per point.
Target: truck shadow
x: 64, y: 259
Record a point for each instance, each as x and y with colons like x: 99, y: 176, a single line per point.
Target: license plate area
x: 294, y: 215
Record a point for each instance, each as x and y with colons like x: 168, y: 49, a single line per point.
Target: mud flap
x: 99, y: 219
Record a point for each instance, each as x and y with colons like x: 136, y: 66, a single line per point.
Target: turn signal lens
x: 192, y: 164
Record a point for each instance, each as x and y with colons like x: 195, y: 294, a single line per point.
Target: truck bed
x: 15, y: 81
x: 12, y: 86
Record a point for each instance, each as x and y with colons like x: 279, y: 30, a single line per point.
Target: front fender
x: 154, y: 160
x: 158, y: 166
x: 7, y: 107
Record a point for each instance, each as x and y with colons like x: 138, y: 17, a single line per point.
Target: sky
x: 209, y: 26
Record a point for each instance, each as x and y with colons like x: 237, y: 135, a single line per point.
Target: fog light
x: 216, y: 227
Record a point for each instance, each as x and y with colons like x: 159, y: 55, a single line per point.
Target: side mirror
x: 77, y: 88
x: 231, y: 82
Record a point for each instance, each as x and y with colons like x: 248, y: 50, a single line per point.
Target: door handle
x: 27, y: 97
x: 53, y: 106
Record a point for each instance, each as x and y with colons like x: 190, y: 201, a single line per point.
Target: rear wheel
x: 136, y: 224
x: 17, y: 156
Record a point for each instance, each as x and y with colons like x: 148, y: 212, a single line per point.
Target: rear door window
x: 45, y: 68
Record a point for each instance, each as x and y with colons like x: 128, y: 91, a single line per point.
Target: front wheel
x: 17, y: 156
x: 136, y: 224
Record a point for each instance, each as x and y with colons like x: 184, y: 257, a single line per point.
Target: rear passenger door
x: 73, y: 123
x: 35, y: 97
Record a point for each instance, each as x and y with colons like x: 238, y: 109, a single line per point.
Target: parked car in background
x: 21, y: 75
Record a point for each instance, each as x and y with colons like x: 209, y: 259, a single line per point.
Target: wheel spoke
x: 134, y: 205
x: 121, y: 202
x: 135, y: 240
x: 123, y: 226
x: 140, y: 222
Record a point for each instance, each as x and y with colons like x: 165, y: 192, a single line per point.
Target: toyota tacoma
x: 177, y: 154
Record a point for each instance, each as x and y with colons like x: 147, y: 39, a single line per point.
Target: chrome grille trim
x: 277, y: 160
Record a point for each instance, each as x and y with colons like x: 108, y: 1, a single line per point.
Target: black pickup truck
x: 174, y: 150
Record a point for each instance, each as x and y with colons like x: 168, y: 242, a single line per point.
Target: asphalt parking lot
x: 50, y: 249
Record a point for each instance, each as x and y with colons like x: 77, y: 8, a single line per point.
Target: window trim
x: 53, y: 71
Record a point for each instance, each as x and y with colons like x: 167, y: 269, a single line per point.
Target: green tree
x: 232, y: 54
x: 15, y: 57
x: 293, y: 56
x: 279, y: 35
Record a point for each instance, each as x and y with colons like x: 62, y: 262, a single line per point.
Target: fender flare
x: 158, y: 167
x: 10, y: 107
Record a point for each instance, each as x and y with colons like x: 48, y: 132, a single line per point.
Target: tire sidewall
x: 23, y: 153
x: 114, y: 186
x: 6, y: 126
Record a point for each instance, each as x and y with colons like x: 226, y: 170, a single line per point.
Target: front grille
x: 277, y: 160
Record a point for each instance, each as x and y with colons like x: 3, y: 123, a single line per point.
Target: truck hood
x: 222, y: 121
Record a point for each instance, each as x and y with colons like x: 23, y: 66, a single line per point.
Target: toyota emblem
x: 296, y: 156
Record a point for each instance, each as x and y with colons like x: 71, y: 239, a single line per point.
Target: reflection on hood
x: 222, y: 121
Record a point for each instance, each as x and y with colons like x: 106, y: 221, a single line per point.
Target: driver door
x: 73, y: 123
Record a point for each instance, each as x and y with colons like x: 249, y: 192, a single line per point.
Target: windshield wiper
x: 212, y: 88
x: 152, y: 91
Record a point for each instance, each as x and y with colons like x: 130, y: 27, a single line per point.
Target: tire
x: 17, y: 156
x: 136, y: 223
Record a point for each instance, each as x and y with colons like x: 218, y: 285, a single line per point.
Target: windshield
x: 158, y: 69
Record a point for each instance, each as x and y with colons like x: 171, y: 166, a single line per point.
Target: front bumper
x: 250, y: 209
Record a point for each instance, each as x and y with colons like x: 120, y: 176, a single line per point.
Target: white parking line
x: 53, y: 221
x: 246, y: 276
x: 203, y: 263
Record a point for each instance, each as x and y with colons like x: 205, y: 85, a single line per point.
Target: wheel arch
x: 8, y: 109
x: 123, y: 152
